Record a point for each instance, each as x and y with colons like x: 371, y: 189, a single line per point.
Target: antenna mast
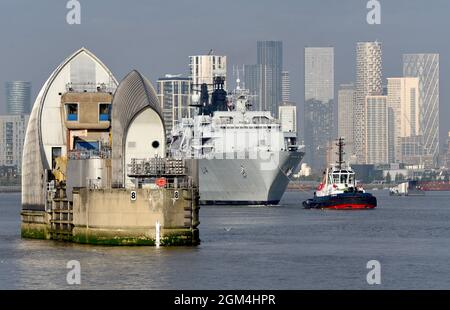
x: 340, y: 152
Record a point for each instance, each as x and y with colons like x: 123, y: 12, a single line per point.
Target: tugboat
x: 338, y: 189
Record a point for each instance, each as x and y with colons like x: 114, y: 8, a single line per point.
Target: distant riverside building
x: 403, y: 105
x: 270, y: 64
x: 12, y: 136
x: 426, y: 68
x: 318, y: 110
x: 285, y: 86
x: 18, y: 97
x: 346, y: 95
x: 203, y: 69
x: 174, y: 94
x: 287, y: 112
x: 376, y: 126
x: 368, y: 83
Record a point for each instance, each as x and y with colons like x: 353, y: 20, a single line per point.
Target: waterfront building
x: 174, y: 94
x: 426, y: 68
x: 12, y: 136
x: 403, y: 105
x: 376, y: 126
x: 18, y: 97
x: 319, y: 104
x: 368, y: 83
x: 287, y: 112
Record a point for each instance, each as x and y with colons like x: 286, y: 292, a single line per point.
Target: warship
x: 244, y: 156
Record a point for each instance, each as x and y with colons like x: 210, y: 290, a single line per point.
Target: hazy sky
x: 157, y: 36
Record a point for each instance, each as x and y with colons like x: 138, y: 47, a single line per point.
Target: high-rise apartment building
x: 426, y: 68
x: 376, y: 126
x: 18, y: 97
x: 203, y: 69
x: 403, y: 106
x: 346, y: 94
x: 319, y: 98
x: 368, y: 83
x: 174, y: 94
x: 285, y: 86
x: 12, y: 136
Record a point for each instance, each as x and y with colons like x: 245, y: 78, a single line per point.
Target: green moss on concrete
x: 34, y: 232
x: 181, y: 238
x: 116, y: 240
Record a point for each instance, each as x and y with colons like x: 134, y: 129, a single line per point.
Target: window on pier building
x: 104, y: 113
x: 72, y: 111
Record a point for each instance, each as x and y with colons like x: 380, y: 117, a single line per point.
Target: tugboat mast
x: 340, y: 152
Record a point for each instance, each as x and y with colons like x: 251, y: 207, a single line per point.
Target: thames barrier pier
x: 95, y: 168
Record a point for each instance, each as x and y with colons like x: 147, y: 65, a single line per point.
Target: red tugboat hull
x: 350, y: 201
x: 347, y: 206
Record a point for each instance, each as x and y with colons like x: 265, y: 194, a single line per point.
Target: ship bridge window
x: 351, y: 179
x: 72, y: 111
x: 226, y: 120
x: 335, y: 178
x: 260, y: 120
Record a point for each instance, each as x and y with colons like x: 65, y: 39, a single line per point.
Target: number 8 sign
x: 133, y: 195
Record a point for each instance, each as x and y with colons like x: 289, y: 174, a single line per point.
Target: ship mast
x: 340, y: 144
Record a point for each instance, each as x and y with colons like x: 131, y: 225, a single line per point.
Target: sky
x: 157, y: 36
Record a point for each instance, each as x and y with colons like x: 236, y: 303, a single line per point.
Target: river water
x: 283, y: 247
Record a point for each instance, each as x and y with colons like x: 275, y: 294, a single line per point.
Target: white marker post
x: 158, y: 234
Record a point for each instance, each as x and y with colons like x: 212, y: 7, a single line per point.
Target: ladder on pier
x: 61, y: 217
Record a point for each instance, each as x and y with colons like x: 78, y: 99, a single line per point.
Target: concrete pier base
x: 119, y: 217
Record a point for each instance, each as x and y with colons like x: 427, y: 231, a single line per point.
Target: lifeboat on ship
x: 338, y: 189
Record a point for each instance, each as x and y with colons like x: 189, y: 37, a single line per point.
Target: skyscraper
x: 376, y: 116
x: 426, y: 68
x: 285, y: 86
x: 203, y: 69
x: 346, y: 95
x: 319, y: 98
x: 270, y: 61
x: 174, y: 94
x: 18, y: 97
x: 403, y: 105
x: 368, y: 83
x: 252, y: 82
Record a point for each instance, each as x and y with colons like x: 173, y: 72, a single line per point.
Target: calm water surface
x: 284, y: 247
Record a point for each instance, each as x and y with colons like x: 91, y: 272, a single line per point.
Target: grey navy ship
x: 244, y: 156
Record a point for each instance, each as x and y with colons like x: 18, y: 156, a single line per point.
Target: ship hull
x: 354, y: 201
x: 246, y: 181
